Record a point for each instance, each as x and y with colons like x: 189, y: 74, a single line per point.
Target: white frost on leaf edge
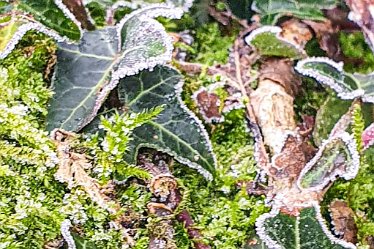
x: 22, y: 30
x: 150, y: 12
x: 351, y: 170
x: 68, y: 14
x: 274, y: 30
x: 147, y: 13
x: 205, y: 173
x: 342, y: 92
x: 65, y: 232
x: 272, y: 244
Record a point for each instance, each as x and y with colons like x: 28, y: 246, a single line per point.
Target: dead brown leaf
x: 343, y: 220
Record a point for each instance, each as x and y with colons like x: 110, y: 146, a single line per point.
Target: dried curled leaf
x: 87, y: 72
x: 342, y: 218
x: 331, y: 74
x: 72, y: 170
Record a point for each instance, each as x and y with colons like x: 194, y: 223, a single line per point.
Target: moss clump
x: 354, y: 46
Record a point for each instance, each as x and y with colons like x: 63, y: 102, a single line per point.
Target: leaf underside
x: 346, y: 85
x: 333, y: 161
x: 176, y: 130
x: 272, y: 10
x: 85, y: 73
x: 303, y: 232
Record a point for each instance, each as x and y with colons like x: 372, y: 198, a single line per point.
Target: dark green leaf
x: 272, y: 10
x: 331, y: 74
x: 241, y: 8
x: 87, y: 72
x: 176, y: 130
x: 53, y: 16
x: 307, y: 231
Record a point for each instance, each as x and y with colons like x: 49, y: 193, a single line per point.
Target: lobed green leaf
x: 176, y: 130
x: 85, y: 73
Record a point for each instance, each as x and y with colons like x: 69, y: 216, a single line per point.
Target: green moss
x: 354, y: 47
x: 30, y: 197
x: 212, y: 44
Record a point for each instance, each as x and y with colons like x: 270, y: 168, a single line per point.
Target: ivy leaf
x: 241, y: 8
x: 87, y: 72
x: 272, y: 10
x: 176, y: 131
x: 306, y: 231
x: 268, y: 41
x: 338, y: 156
x: 331, y: 74
x: 51, y: 17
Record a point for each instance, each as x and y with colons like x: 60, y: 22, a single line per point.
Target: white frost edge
x: 68, y: 14
x: 149, y: 64
x: 65, y: 232
x: 149, y: 12
x: 186, y: 6
x: 327, y: 231
x: 371, y: 143
x: 22, y: 30
x: 342, y: 92
x: 271, y: 29
x: 205, y: 173
x: 351, y: 170
x: 261, y: 231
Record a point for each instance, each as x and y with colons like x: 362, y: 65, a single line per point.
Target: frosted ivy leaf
x: 271, y: 10
x: 85, y: 73
x: 51, y: 17
x: 307, y: 230
x: 268, y: 42
x: 176, y: 130
x: 331, y: 74
x: 338, y: 156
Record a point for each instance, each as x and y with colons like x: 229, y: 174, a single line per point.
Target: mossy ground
x: 31, y: 199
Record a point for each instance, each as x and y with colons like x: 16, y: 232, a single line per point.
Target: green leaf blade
x: 176, y: 130
x: 272, y: 10
x: 54, y: 15
x: 306, y: 231
x: 81, y: 71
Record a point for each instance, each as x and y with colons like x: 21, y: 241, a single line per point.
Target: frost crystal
x: 65, y: 232
x: 22, y: 31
